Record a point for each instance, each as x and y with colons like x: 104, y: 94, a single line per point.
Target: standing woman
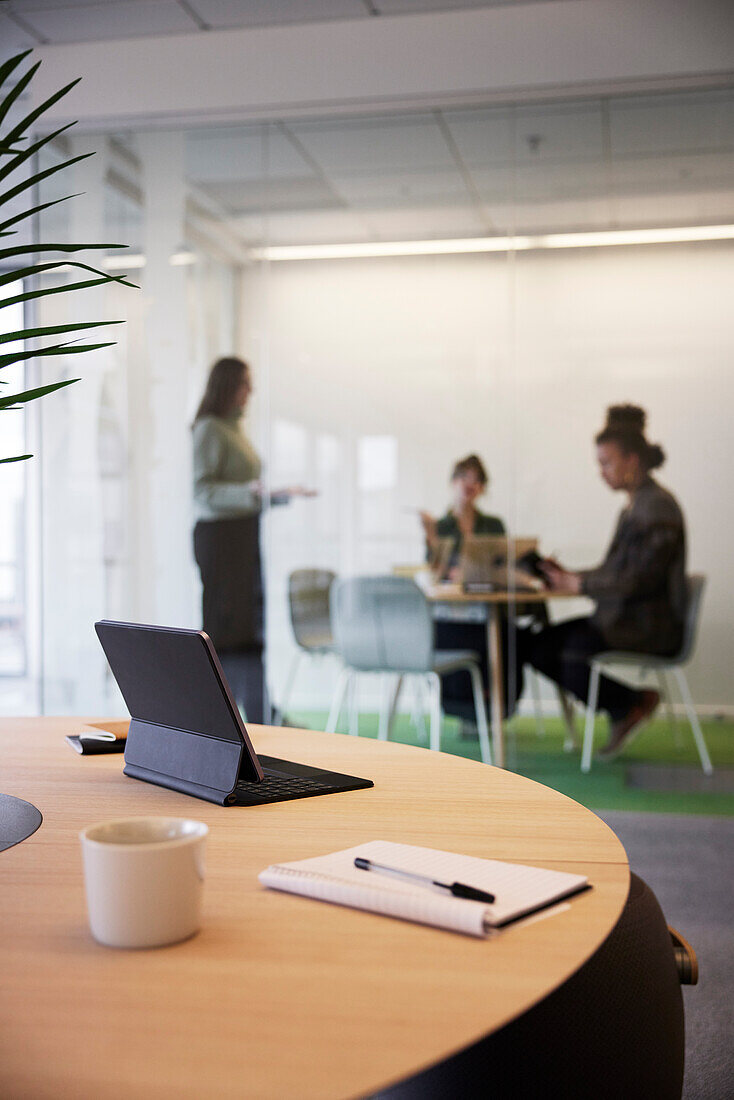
x: 227, y: 505
x: 640, y: 587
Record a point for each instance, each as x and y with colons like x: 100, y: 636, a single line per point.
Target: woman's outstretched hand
x: 293, y: 491
x: 559, y: 579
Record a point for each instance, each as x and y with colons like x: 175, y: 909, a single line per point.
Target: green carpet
x: 607, y: 786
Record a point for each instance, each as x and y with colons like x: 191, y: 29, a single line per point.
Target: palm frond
x: 15, y: 146
x: 22, y: 155
x: 67, y: 348
x: 51, y: 330
x: 54, y: 265
x: 14, y: 95
x: 16, y: 218
x: 14, y: 399
x: 31, y: 117
x: 12, y: 63
x: 34, y: 180
x: 33, y: 249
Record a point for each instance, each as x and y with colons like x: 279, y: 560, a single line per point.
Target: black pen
x: 458, y: 889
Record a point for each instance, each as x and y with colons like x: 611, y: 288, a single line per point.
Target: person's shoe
x: 624, y: 729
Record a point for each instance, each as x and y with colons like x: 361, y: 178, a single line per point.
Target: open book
x: 518, y: 890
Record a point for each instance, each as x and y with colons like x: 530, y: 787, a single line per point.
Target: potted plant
x: 27, y: 262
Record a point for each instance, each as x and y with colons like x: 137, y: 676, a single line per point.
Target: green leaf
x: 15, y: 146
x: 34, y: 180
x: 15, y: 94
x: 56, y: 349
x: 34, y: 210
x: 34, y: 295
x: 30, y: 118
x: 52, y: 265
x: 22, y: 155
x: 7, y: 66
x: 32, y: 395
x: 52, y: 330
x: 26, y: 249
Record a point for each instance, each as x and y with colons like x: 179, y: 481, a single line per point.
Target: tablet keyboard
x: 278, y: 788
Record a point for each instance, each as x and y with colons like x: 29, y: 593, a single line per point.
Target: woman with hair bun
x: 639, y: 588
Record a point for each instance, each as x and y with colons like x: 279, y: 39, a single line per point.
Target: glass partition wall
x: 459, y: 289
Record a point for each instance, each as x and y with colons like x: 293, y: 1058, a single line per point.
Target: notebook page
x: 386, y: 896
x: 518, y: 889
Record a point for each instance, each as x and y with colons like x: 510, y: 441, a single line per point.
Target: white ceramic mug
x: 144, y: 878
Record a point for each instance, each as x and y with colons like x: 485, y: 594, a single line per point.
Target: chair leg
x: 535, y: 692
x: 390, y: 689
x: 693, y: 719
x: 570, y: 741
x: 393, y: 705
x: 665, y: 695
x: 434, y: 696
x: 353, y: 707
x: 336, y: 703
x: 419, y: 708
x: 590, y: 717
x: 481, y: 713
x: 290, y: 681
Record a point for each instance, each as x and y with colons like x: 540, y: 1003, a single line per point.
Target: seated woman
x: 639, y: 588
x: 468, y: 481
x: 463, y: 628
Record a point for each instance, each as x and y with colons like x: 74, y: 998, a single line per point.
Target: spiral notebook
x: 518, y: 889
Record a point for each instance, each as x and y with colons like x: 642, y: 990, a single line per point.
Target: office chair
x: 614, y: 1029
x: 308, y: 602
x: 695, y: 585
x: 384, y: 625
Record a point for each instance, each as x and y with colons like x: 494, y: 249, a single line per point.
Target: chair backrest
x: 695, y: 584
x: 308, y: 598
x: 382, y: 624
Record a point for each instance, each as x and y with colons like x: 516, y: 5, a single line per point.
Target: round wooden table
x: 277, y: 995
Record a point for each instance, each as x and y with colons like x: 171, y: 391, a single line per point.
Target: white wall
x: 516, y: 360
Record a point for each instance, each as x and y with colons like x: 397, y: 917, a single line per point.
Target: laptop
x: 186, y: 732
x: 441, y: 558
x: 494, y: 562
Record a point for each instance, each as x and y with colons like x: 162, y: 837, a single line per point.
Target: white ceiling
x: 628, y: 162
x: 584, y: 165
x: 26, y: 23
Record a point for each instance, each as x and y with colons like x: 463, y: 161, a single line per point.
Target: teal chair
x: 308, y: 603
x: 383, y: 625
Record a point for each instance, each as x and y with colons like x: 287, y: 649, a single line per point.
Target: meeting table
x: 277, y: 995
x: 495, y: 602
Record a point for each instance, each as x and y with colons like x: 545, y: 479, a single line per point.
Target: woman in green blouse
x: 227, y: 503
x: 462, y: 628
x: 469, y: 481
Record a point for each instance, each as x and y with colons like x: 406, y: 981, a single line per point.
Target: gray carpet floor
x: 688, y: 861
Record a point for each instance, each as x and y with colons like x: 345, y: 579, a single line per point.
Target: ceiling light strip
x: 672, y: 235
